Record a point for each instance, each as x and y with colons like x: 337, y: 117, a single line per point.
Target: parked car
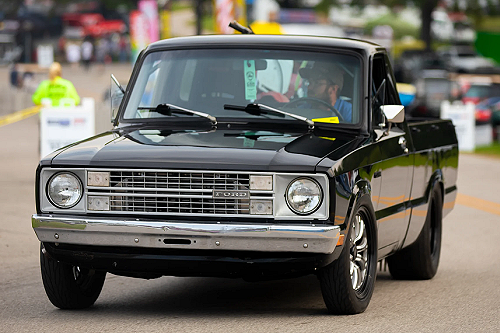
x: 488, y: 111
x: 410, y: 64
x: 495, y: 120
x: 10, y: 53
x: 312, y: 29
x: 464, y: 59
x: 479, y: 91
x: 432, y: 88
x: 200, y: 178
x: 78, y: 25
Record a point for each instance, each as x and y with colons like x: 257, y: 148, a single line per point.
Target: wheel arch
x: 416, y: 223
x: 361, y: 196
x: 436, y: 178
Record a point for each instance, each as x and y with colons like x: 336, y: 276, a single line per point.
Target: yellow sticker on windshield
x: 330, y: 120
x: 250, y: 80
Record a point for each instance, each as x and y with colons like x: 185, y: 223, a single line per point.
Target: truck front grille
x: 174, y: 192
x: 179, y: 180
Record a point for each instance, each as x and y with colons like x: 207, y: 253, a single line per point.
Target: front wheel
x: 67, y: 286
x: 347, y: 283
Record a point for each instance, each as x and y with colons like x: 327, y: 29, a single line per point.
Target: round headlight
x: 64, y: 190
x: 304, y: 196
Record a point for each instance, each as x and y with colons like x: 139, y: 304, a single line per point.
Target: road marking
x: 473, y: 202
x: 19, y: 115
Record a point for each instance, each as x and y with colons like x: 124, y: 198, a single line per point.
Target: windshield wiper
x: 259, y: 109
x: 168, y: 109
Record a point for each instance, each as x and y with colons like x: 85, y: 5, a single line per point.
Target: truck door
x: 396, y: 161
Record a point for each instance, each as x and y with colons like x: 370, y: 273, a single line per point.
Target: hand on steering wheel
x: 319, y: 101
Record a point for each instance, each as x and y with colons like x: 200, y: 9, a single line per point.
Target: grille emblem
x: 231, y: 194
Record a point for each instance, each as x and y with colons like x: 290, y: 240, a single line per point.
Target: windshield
x: 324, y: 87
x: 478, y: 91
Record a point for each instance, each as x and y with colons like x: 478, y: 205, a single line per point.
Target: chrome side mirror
x: 393, y: 113
x: 116, y: 95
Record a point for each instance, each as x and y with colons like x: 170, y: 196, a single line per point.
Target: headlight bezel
x: 318, y: 205
x: 51, y: 179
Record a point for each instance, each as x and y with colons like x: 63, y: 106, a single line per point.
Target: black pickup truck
x: 254, y: 157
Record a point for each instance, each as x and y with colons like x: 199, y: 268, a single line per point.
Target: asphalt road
x: 464, y: 296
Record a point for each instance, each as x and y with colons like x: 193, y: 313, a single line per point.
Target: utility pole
x: 27, y: 27
x: 199, y: 15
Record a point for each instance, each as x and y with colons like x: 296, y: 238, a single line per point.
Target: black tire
x: 420, y: 260
x: 337, y: 285
x: 67, y: 286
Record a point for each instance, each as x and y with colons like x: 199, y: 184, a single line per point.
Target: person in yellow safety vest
x: 55, y: 88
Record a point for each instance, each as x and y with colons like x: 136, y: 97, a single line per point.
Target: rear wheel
x: 347, y: 283
x: 67, y: 286
x: 420, y: 260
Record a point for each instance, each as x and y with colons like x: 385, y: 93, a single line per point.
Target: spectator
x: 87, y: 53
x: 61, y: 48
x: 73, y: 54
x: 15, y: 77
x: 102, y: 52
x: 123, y: 46
x: 29, y: 83
x: 55, y: 88
x: 115, y: 46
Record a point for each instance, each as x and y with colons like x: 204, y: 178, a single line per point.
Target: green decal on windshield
x: 250, y: 80
x: 248, y: 142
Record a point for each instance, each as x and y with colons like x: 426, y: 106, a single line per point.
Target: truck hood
x: 210, y: 150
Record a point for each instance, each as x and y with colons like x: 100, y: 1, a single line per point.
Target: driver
x: 325, y: 83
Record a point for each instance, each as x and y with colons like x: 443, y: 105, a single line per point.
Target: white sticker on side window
x: 250, y: 80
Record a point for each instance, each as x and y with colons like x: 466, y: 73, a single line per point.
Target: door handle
x: 402, y: 143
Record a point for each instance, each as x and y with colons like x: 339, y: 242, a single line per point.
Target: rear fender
x: 417, y: 221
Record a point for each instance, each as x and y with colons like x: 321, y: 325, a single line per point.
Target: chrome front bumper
x: 305, y: 238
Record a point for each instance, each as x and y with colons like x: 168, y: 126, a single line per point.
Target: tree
x: 426, y: 8
x: 473, y: 7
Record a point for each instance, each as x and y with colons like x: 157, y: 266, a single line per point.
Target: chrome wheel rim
x: 358, y: 253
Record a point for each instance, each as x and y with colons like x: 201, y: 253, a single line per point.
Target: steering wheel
x: 316, y: 100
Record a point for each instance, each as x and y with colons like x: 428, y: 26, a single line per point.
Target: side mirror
x: 116, y: 95
x: 393, y: 113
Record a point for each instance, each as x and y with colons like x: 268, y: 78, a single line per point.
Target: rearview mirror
x: 260, y: 64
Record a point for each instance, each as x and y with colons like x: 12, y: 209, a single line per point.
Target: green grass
x: 493, y: 150
x: 488, y: 23
x: 207, y: 23
x: 181, y: 5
